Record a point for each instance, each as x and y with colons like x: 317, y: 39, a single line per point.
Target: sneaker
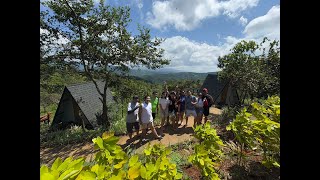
x: 159, y: 137
x: 144, y: 140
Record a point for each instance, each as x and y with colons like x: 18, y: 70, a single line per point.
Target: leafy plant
x: 111, y: 162
x: 208, y: 153
x: 260, y: 129
x: 68, y: 169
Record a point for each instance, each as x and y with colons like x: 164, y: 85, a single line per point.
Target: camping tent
x: 80, y: 102
x: 222, y: 92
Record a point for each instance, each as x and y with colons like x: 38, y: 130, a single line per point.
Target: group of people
x: 171, y: 106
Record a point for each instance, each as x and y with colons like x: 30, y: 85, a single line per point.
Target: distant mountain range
x: 161, y: 76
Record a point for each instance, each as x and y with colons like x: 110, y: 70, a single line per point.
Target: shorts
x: 131, y: 125
x: 191, y: 112
x: 147, y: 125
x: 205, y: 111
x: 154, y: 115
x: 199, y: 111
x: 164, y: 114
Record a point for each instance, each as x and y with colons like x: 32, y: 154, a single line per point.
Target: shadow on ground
x: 254, y: 171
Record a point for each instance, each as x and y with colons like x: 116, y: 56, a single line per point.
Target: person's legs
x: 130, y: 129
x: 153, y: 130
x: 163, y: 120
x: 144, y: 131
x: 154, y: 116
x: 136, y: 128
x: 181, y: 116
x: 187, y: 116
x: 205, y: 113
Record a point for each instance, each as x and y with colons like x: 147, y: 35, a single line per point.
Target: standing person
x: 190, y: 102
x: 199, y: 110
x: 164, y: 109
x: 146, y: 119
x: 155, y: 104
x: 132, y: 116
x: 173, y: 109
x: 207, y: 103
x: 181, y: 105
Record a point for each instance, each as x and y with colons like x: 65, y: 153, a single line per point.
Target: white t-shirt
x: 133, y: 117
x: 164, y: 102
x: 146, y: 114
x: 200, y: 103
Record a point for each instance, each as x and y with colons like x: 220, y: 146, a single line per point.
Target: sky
x: 197, y: 32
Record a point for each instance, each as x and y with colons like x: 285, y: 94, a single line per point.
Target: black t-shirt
x: 209, y: 99
x: 172, y: 106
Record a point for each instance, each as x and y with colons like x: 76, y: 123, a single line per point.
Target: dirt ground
x: 171, y: 136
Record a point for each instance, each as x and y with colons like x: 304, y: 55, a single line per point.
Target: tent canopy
x: 80, y: 102
x: 222, y: 92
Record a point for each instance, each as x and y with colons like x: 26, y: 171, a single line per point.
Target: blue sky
x: 197, y: 32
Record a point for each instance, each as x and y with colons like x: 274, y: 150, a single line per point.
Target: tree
x: 99, y: 41
x: 254, y: 71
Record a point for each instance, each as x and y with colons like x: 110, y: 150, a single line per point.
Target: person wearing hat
x: 207, y: 103
x: 132, y: 116
x: 146, y: 119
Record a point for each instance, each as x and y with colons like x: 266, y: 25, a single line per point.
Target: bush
x: 260, y: 130
x: 227, y: 115
x: 111, y: 162
x: 208, y: 153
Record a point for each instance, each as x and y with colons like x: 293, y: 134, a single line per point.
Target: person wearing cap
x: 146, y: 119
x: 132, y: 116
x: 207, y: 103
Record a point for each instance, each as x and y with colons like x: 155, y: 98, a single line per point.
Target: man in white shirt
x: 146, y: 119
x: 132, y: 116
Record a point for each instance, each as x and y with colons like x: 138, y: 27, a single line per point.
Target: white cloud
x: 188, y: 14
x: 243, y: 21
x: 191, y: 56
x: 267, y: 25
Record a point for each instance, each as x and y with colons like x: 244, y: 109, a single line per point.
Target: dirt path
x: 48, y: 155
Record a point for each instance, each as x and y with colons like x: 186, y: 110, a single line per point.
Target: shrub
x: 112, y: 163
x: 260, y: 129
x: 208, y: 153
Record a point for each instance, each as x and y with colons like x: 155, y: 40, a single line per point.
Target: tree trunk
x: 104, y: 116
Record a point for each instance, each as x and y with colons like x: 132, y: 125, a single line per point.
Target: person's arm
x: 131, y: 110
x: 140, y: 113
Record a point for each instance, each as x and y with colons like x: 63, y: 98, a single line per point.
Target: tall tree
x: 252, y: 68
x: 99, y: 41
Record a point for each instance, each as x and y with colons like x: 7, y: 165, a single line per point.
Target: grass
x: 64, y: 137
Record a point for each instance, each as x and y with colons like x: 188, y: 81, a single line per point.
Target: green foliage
x: 73, y: 135
x: 253, y: 73
x: 208, y: 153
x: 60, y: 170
x: 158, y: 165
x: 111, y: 162
x: 227, y: 115
x: 260, y: 129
